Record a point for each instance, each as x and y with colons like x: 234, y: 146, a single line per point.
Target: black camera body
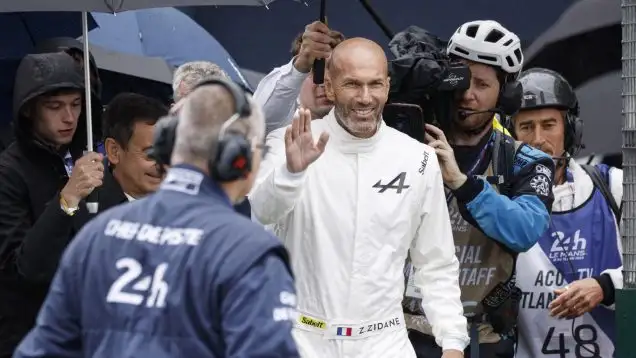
x: 457, y: 78
x: 426, y: 84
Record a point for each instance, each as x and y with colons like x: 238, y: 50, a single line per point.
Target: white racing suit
x: 348, y: 222
x: 583, y: 241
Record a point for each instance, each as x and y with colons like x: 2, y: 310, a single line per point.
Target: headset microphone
x: 463, y: 114
x: 565, y: 156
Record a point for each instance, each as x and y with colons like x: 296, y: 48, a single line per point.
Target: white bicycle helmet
x: 487, y: 42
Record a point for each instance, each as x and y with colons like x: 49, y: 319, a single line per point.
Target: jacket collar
x: 190, y: 180
x: 111, y: 193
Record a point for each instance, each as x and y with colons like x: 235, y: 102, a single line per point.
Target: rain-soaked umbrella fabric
x: 113, y: 6
x: 600, y: 101
x: 22, y: 31
x: 166, y: 33
x: 581, y: 17
x: 122, y: 72
x: 582, y: 44
x: 150, y: 68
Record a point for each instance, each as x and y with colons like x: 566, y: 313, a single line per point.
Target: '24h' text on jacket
x: 583, y: 242
x: 176, y: 274
x: 34, y: 230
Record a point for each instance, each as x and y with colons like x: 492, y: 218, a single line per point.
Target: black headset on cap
x: 510, y: 95
x: 233, y: 158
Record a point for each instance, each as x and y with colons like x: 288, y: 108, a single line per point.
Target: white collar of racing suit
x: 347, y: 143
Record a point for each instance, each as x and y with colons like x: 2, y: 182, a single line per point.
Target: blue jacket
x: 518, y: 220
x: 177, y: 274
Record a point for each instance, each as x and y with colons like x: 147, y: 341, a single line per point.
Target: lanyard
x: 68, y: 163
x: 471, y: 172
x: 480, y: 158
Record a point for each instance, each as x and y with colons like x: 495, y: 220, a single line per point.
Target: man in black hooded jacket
x: 43, y: 179
x: 75, y: 49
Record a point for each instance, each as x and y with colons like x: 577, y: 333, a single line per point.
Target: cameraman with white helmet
x: 498, y: 192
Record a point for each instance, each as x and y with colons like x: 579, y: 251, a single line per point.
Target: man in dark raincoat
x: 41, y: 205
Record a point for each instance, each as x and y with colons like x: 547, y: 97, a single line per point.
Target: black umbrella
x: 121, y: 72
x: 601, y: 112
x: 112, y: 6
x: 109, y: 6
x: 583, y: 43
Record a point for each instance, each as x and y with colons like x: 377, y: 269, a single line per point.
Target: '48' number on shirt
x: 152, y: 288
x: 585, y: 337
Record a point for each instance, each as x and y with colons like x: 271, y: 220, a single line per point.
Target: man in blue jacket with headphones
x: 178, y: 273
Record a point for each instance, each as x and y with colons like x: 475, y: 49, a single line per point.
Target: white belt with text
x: 337, y: 329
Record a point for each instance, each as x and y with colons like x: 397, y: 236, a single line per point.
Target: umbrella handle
x: 319, y: 71
x: 319, y: 64
x: 92, y: 203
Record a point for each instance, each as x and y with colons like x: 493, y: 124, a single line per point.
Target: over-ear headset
x: 573, y: 130
x: 510, y: 95
x: 233, y: 151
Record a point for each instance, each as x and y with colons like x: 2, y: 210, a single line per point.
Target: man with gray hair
x: 211, y: 276
x: 190, y: 73
x: 185, y: 79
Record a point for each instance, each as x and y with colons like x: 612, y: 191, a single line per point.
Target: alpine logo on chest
x: 398, y: 184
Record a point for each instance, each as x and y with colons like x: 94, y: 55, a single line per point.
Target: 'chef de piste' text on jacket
x: 176, y: 274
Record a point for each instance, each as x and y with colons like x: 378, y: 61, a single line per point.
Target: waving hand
x: 300, y: 148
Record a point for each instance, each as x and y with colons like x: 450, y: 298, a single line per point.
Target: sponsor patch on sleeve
x: 542, y: 169
x: 541, y: 184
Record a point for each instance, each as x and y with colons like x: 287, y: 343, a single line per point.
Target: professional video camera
x: 425, y: 83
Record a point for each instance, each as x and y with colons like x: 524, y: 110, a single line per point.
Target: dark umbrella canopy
x: 260, y: 39
x: 584, y: 43
x: 121, y: 72
x: 601, y: 107
x: 23, y: 30
x: 113, y: 6
x: 149, y: 68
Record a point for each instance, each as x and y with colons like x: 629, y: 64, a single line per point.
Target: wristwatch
x: 66, y: 209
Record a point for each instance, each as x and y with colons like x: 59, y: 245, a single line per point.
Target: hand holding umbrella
x: 317, y: 42
x: 319, y: 63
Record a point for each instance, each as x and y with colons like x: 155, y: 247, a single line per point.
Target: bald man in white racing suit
x: 350, y: 210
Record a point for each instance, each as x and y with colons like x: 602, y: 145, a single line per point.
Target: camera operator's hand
x: 300, y: 148
x: 453, y: 177
x: 87, y: 175
x: 317, y: 43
